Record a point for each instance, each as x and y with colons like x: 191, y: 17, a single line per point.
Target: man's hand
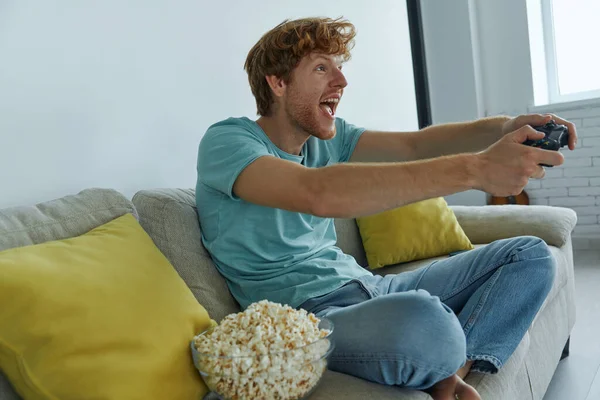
x: 538, y: 120
x: 505, y: 167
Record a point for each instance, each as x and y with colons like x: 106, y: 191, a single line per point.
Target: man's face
x: 312, y: 95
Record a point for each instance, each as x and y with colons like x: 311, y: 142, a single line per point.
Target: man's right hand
x: 505, y: 167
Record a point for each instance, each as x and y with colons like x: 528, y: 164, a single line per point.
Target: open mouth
x: 329, y: 106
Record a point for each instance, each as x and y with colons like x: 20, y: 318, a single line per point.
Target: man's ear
x: 276, y: 84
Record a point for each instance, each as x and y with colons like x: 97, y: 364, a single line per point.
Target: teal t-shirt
x: 263, y: 252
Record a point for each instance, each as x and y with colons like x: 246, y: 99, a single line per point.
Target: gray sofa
x: 169, y: 216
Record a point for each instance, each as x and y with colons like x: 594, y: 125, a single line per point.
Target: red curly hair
x: 280, y: 50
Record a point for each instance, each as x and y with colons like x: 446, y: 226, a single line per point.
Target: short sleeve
x: 223, y: 153
x: 347, y: 135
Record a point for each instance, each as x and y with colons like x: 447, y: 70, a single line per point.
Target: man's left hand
x: 539, y: 120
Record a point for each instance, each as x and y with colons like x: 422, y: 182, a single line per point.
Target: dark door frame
x: 417, y: 43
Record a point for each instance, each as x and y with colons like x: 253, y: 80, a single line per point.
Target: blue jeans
x: 416, y: 328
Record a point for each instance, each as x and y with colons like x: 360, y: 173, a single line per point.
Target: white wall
x: 452, y: 75
x: 451, y: 43
x: 505, y: 56
x: 118, y: 94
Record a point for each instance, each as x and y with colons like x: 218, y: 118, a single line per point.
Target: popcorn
x: 269, y: 351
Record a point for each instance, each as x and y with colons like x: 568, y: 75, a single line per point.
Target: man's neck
x: 283, y: 133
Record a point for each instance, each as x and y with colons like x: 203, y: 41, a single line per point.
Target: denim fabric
x: 416, y: 328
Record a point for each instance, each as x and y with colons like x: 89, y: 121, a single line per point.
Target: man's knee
x: 439, y: 343
x: 536, y: 253
x: 415, y: 341
x: 532, y: 245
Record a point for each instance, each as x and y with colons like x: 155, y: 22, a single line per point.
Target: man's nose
x: 339, y: 80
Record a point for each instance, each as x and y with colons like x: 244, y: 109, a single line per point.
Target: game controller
x: 557, y: 136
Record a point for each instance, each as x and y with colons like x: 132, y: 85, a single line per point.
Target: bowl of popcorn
x: 268, y: 351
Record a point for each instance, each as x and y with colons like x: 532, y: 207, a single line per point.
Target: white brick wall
x: 591, y: 122
x: 576, y: 183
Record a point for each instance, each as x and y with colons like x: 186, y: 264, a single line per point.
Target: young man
x: 268, y: 191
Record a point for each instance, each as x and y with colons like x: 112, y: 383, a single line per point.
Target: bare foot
x: 465, y: 369
x: 453, y: 388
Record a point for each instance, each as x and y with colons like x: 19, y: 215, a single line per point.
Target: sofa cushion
x: 336, y: 385
x: 102, y: 313
x: 416, y: 231
x: 170, y: 218
x: 62, y: 218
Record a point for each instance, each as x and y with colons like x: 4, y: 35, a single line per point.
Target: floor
x: 578, y: 376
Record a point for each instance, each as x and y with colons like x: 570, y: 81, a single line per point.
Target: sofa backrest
x: 169, y: 216
x: 62, y: 218
x: 349, y: 240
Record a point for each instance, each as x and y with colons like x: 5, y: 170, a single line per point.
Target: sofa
x: 169, y: 216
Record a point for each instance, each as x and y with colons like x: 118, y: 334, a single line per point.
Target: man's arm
x: 459, y: 137
x: 350, y: 190
x: 433, y: 141
x: 444, y: 139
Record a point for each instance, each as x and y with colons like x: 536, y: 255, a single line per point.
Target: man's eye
x: 321, y: 68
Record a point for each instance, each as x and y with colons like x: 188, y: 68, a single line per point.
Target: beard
x: 304, y: 113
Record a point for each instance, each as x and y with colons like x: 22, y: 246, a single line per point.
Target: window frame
x: 554, y: 95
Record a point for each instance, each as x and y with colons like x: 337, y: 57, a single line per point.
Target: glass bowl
x: 286, y: 375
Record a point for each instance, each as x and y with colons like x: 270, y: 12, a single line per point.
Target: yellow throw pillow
x: 103, y: 315
x: 416, y: 231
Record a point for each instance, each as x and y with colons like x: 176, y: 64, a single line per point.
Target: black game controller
x: 557, y: 136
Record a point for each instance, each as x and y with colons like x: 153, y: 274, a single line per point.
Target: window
x: 570, y: 33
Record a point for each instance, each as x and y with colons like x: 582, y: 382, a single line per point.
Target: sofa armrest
x: 484, y: 224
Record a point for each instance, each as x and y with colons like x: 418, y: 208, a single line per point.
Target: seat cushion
x: 341, y: 386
